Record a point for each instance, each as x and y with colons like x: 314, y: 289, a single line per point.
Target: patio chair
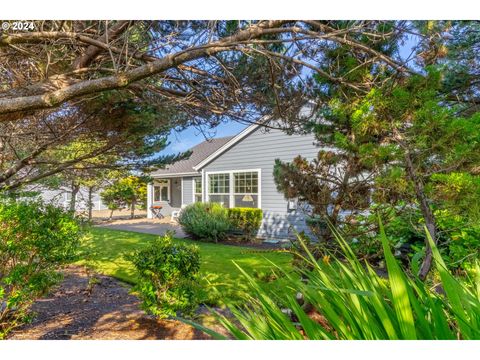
x: 176, y: 213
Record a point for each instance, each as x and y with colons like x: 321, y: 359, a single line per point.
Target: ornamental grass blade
x: 399, y: 289
x: 458, y: 296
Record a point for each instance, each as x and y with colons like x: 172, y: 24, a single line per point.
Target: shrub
x: 167, y: 276
x: 205, y: 221
x: 247, y: 220
x: 347, y: 299
x: 35, y: 239
x: 319, y: 227
x: 460, y: 239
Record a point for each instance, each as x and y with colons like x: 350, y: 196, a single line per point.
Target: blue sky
x: 183, y: 140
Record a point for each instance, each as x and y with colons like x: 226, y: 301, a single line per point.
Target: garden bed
x: 93, y: 306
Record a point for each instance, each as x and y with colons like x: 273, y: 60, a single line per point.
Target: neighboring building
x: 61, y: 197
x: 237, y: 172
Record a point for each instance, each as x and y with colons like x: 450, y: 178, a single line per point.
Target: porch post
x: 149, y: 200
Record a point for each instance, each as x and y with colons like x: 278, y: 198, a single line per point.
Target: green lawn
x: 221, y: 279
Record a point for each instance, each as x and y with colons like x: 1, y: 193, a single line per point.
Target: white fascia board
x: 173, y: 175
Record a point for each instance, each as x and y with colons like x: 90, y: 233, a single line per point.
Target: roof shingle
x: 199, y: 152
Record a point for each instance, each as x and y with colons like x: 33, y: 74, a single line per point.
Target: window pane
x: 222, y: 199
x: 164, y: 193
x: 246, y: 183
x: 198, y: 185
x: 219, y: 183
x: 247, y: 200
x: 198, y: 197
x: 156, y: 193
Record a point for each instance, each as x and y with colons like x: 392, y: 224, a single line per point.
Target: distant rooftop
x: 199, y: 153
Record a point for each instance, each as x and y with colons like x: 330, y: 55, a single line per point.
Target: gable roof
x: 247, y: 131
x: 199, y: 153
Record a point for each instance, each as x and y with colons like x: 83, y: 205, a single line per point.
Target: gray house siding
x: 176, y: 193
x: 187, y: 190
x: 259, y: 151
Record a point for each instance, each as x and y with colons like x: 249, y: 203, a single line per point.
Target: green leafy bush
x: 167, y: 273
x: 347, y: 299
x: 460, y: 239
x: 205, y: 221
x: 35, y: 239
x: 247, y: 220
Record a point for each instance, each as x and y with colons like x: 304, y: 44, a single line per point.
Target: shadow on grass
x: 222, y: 282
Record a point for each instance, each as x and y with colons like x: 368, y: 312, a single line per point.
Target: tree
x: 111, y: 132
x: 111, y: 81
x: 129, y: 191
x: 338, y: 183
x: 90, y: 174
x: 122, y: 85
x: 397, y: 135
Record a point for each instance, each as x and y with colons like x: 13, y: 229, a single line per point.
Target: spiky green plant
x: 351, y: 301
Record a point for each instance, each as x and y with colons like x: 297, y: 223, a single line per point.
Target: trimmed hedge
x: 247, y: 220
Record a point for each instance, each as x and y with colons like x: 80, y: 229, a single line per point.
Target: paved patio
x: 147, y: 226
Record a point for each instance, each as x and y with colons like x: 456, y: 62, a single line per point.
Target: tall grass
x: 349, y: 300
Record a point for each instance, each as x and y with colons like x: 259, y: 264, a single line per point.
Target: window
x: 246, y: 189
x: 197, y: 189
x: 219, y: 188
x: 161, y: 191
x: 235, y: 189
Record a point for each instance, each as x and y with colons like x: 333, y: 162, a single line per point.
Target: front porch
x: 165, y: 196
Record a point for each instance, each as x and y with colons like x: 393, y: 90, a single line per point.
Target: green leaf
x: 399, y: 287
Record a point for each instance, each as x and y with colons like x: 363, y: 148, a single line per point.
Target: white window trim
x: 181, y: 191
x: 194, y: 180
x: 161, y: 185
x: 206, y: 183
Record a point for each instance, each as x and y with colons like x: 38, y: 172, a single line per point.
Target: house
x: 61, y: 197
x: 237, y: 172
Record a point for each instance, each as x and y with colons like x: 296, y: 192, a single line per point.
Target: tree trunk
x: 90, y: 202
x: 132, y: 210
x: 73, y: 199
x: 427, y: 214
x: 111, y: 214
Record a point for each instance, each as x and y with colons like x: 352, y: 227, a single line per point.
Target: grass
x: 104, y: 251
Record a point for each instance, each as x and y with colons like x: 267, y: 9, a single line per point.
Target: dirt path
x: 103, y: 309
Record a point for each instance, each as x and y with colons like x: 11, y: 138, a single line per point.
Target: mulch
x: 103, y: 308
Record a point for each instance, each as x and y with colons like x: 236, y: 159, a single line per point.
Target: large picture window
x: 235, y: 188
